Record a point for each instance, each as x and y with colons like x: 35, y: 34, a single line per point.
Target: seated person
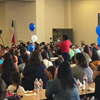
x: 64, y: 86
x: 98, y: 50
x: 58, y: 61
x: 82, y: 68
x: 76, y: 49
x: 34, y: 69
x: 24, y: 60
x: 52, y: 70
x: 45, y: 58
x: 16, y: 81
x: 97, y: 85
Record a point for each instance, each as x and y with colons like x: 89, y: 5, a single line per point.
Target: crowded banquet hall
x: 49, y: 50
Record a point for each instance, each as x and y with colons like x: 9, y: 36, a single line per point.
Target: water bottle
x: 40, y: 85
x: 36, y: 85
x: 78, y: 83
x: 85, y: 81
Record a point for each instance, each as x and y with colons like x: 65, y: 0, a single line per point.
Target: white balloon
x: 34, y: 38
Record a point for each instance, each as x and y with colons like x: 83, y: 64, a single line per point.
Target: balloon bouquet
x: 33, y: 38
x: 98, y: 33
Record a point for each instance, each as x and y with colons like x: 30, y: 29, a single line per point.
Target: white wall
x: 54, y: 17
x: 84, y: 19
x: 23, y: 14
x: 2, y: 21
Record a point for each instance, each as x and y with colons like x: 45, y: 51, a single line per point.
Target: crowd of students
x: 19, y: 68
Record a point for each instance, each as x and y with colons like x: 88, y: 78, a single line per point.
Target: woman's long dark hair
x: 65, y: 76
x: 87, y: 50
x: 95, y: 56
x: 36, y: 58
x: 81, y: 60
x: 8, y: 68
x: 2, y: 90
x: 16, y: 78
x: 11, y: 51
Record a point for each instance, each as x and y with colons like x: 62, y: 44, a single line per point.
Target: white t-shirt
x: 47, y: 63
x: 12, y: 88
x: 98, y: 52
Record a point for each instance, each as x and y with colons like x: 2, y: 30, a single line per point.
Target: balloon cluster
x: 98, y: 33
x: 32, y: 28
x: 33, y: 37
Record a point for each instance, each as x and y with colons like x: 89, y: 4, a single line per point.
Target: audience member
x: 34, y: 69
x: 82, y: 68
x: 8, y: 68
x: 76, y: 49
x: 16, y: 81
x: 65, y: 47
x: 58, y: 61
x: 2, y: 90
x: 24, y: 60
x: 64, y: 87
x: 52, y: 70
x: 45, y: 58
x: 97, y: 85
x: 98, y: 50
x: 87, y: 50
x: 14, y: 58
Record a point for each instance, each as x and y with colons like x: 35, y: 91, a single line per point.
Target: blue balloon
x: 98, y: 40
x: 98, y: 30
x: 31, y: 47
x: 32, y: 26
x: 1, y: 62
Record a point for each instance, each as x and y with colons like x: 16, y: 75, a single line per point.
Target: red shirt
x: 65, y: 46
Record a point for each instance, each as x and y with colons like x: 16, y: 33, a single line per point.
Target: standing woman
x: 65, y: 47
x: 64, y: 87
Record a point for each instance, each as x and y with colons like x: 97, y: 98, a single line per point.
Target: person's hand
x: 49, y: 75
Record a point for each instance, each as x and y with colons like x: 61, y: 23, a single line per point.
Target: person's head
x: 7, y: 48
x: 22, y: 44
x: 22, y: 51
x: 24, y: 58
x: 65, y: 37
x: 87, y: 49
x: 98, y: 47
x: 36, y: 58
x: 83, y: 45
x: 45, y: 55
x: 13, y: 45
x: 95, y: 45
x: 37, y: 47
x: 51, y: 69
x: 2, y: 48
x: 43, y: 43
x: 2, y: 89
x: 28, y: 43
x: 95, y: 56
x: 82, y: 42
x: 65, y: 75
x: 58, y: 61
x: 52, y: 43
x: 11, y: 51
x: 73, y: 60
x: 76, y: 46
x: 16, y: 79
x: 45, y: 48
x: 18, y: 47
x: 81, y: 60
